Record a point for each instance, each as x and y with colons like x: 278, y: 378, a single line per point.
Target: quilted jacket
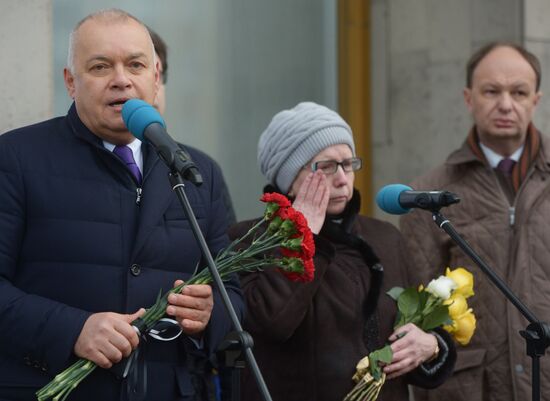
x: 514, y: 239
x: 75, y: 238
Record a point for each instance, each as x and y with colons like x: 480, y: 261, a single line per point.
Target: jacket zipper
x: 512, y: 213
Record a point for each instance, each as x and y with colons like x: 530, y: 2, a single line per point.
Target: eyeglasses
x: 331, y: 166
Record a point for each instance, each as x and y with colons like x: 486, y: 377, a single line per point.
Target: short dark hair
x: 162, y: 51
x: 480, y: 54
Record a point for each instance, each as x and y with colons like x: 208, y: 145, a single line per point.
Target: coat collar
x: 157, y: 193
x: 465, y: 155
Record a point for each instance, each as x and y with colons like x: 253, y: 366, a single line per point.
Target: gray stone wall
x: 537, y: 40
x: 420, y: 49
x: 26, y: 68
x: 234, y: 64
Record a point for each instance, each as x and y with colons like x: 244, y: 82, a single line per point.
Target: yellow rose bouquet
x: 442, y: 303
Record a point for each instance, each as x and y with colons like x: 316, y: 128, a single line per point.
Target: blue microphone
x: 146, y: 124
x: 138, y: 115
x: 400, y: 199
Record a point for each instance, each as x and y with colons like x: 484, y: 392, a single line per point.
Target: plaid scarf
x: 530, y: 151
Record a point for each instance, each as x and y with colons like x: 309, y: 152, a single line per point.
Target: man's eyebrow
x: 136, y: 55
x: 98, y: 57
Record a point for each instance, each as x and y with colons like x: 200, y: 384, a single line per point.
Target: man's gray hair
x: 107, y: 15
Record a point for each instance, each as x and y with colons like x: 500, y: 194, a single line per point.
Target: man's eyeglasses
x: 331, y: 166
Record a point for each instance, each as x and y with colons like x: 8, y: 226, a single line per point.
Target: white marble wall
x: 26, y: 68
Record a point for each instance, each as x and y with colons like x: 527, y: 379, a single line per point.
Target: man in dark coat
x: 88, y: 236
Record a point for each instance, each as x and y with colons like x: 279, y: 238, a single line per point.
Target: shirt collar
x: 494, y: 158
x: 135, y: 146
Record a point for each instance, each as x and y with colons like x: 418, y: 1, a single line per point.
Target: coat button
x: 27, y: 360
x: 135, y: 270
x: 519, y: 368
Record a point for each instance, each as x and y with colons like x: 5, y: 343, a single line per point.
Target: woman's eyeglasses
x: 331, y: 166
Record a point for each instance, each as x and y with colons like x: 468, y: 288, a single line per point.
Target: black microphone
x: 145, y: 123
x: 400, y: 199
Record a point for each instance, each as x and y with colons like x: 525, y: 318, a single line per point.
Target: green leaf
x: 399, y: 321
x: 383, y: 354
x: 439, y: 316
x: 408, y: 302
x: 380, y: 355
x: 395, y: 292
x: 423, y: 297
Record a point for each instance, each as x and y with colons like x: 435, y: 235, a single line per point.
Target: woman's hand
x: 411, y: 346
x: 312, y: 200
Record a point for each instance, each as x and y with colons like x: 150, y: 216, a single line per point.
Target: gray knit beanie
x: 294, y: 137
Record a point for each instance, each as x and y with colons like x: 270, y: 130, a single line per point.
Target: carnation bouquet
x: 285, y: 230
x: 441, y: 304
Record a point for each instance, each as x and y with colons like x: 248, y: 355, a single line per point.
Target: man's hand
x: 411, y: 346
x: 312, y: 200
x: 107, y: 337
x: 192, y: 308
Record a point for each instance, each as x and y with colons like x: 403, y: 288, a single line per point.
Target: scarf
x: 530, y: 151
x: 338, y: 230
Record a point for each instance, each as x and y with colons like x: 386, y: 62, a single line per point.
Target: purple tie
x: 125, y: 153
x: 506, y: 165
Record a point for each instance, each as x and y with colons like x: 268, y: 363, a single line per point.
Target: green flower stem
x: 239, y: 240
x: 63, y: 383
x: 228, y: 262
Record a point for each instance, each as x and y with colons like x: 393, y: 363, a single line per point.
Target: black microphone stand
x: 238, y: 338
x: 537, y: 333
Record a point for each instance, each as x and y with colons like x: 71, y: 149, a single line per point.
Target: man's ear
x: 538, y: 95
x: 467, y: 93
x: 69, y: 82
x: 157, y: 75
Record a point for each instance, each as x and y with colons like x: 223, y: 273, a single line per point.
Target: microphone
x: 146, y: 124
x: 400, y: 199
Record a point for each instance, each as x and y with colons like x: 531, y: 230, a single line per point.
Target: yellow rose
x: 466, y: 325
x: 463, y: 279
x: 450, y: 328
x: 457, y: 305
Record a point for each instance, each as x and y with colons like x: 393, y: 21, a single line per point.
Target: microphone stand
x: 537, y: 333
x: 239, y: 337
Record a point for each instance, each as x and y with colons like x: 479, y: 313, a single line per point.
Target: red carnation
x: 308, y: 246
x: 299, y: 270
x: 309, y: 270
x: 274, y: 197
x: 300, y: 222
x: 275, y: 203
x: 289, y: 253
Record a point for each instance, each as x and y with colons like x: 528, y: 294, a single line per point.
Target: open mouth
x: 118, y: 102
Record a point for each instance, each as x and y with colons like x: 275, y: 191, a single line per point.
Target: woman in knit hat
x: 309, y: 337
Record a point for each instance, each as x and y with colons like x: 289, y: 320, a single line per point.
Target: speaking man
x: 90, y: 232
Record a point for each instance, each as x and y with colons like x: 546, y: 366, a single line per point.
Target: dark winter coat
x: 309, y: 337
x: 75, y: 239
